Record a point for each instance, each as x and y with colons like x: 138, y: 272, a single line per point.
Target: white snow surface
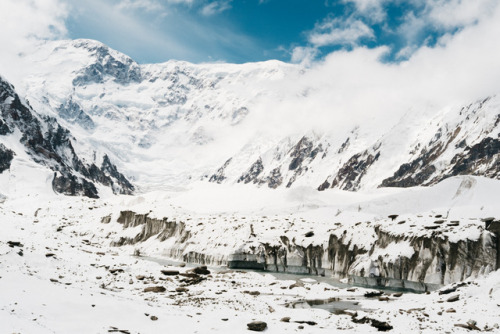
x: 73, y: 291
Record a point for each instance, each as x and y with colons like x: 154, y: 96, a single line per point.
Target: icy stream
x: 279, y: 275
x: 333, y: 305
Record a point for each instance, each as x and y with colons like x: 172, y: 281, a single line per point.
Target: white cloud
x: 349, y: 88
x: 443, y: 16
x: 216, y: 7
x: 303, y: 55
x: 459, y: 13
x: 413, y: 27
x: 185, y: 2
x: 23, y: 24
x: 371, y: 9
x: 147, y: 5
x: 338, y: 31
x: 23, y: 19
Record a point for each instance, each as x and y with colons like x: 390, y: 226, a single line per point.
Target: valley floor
x: 59, y: 274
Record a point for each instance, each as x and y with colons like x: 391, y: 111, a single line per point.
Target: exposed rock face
x: 73, y: 113
x: 287, y: 164
x: 274, y: 180
x: 219, y: 176
x: 482, y: 158
x: 418, y: 171
x: 350, y: 175
x: 457, y: 142
x: 430, y: 259
x: 300, y: 152
x: 109, y: 175
x: 303, y: 152
x: 494, y: 227
x: 477, y: 151
x: 253, y: 173
x: 4, y: 129
x: 71, y: 185
x: 325, y: 185
x: 107, y: 63
x: 6, y: 157
x: 51, y: 145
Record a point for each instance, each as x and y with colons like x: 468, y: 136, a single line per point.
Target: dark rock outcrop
x: 302, y: 154
x: 50, y: 144
x: 302, y: 150
x: 274, y: 179
x: 219, y: 176
x: 473, y: 154
x: 6, y: 157
x: 253, y: 173
x: 482, y: 159
x: 257, y: 326
x: 381, y: 326
x: 418, y: 171
x: 109, y: 175
x: 68, y: 184
x: 4, y: 129
x: 350, y: 174
x: 201, y: 270
x: 170, y: 272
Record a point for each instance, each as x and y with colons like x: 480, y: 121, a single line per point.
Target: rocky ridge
x: 51, y: 145
x: 461, y: 142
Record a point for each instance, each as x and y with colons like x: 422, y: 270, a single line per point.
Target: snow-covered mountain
x: 174, y: 123
x: 163, y: 124
x: 28, y: 136
x: 456, y: 142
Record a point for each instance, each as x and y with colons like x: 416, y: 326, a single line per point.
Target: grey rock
x: 170, y: 272
x: 257, y: 326
x: 155, y: 289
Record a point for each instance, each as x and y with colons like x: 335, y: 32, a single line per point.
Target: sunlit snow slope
x: 266, y: 124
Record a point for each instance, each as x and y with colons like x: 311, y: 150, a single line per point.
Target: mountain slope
x: 460, y: 141
x: 162, y: 124
x: 260, y: 124
x: 465, y: 144
x: 50, y: 145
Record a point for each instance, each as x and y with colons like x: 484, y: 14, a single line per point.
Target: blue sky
x: 238, y: 31
x: 254, y: 30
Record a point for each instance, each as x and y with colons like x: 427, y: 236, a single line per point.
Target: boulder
x: 155, y: 289
x: 201, y: 270
x: 170, y: 272
x: 257, y: 326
